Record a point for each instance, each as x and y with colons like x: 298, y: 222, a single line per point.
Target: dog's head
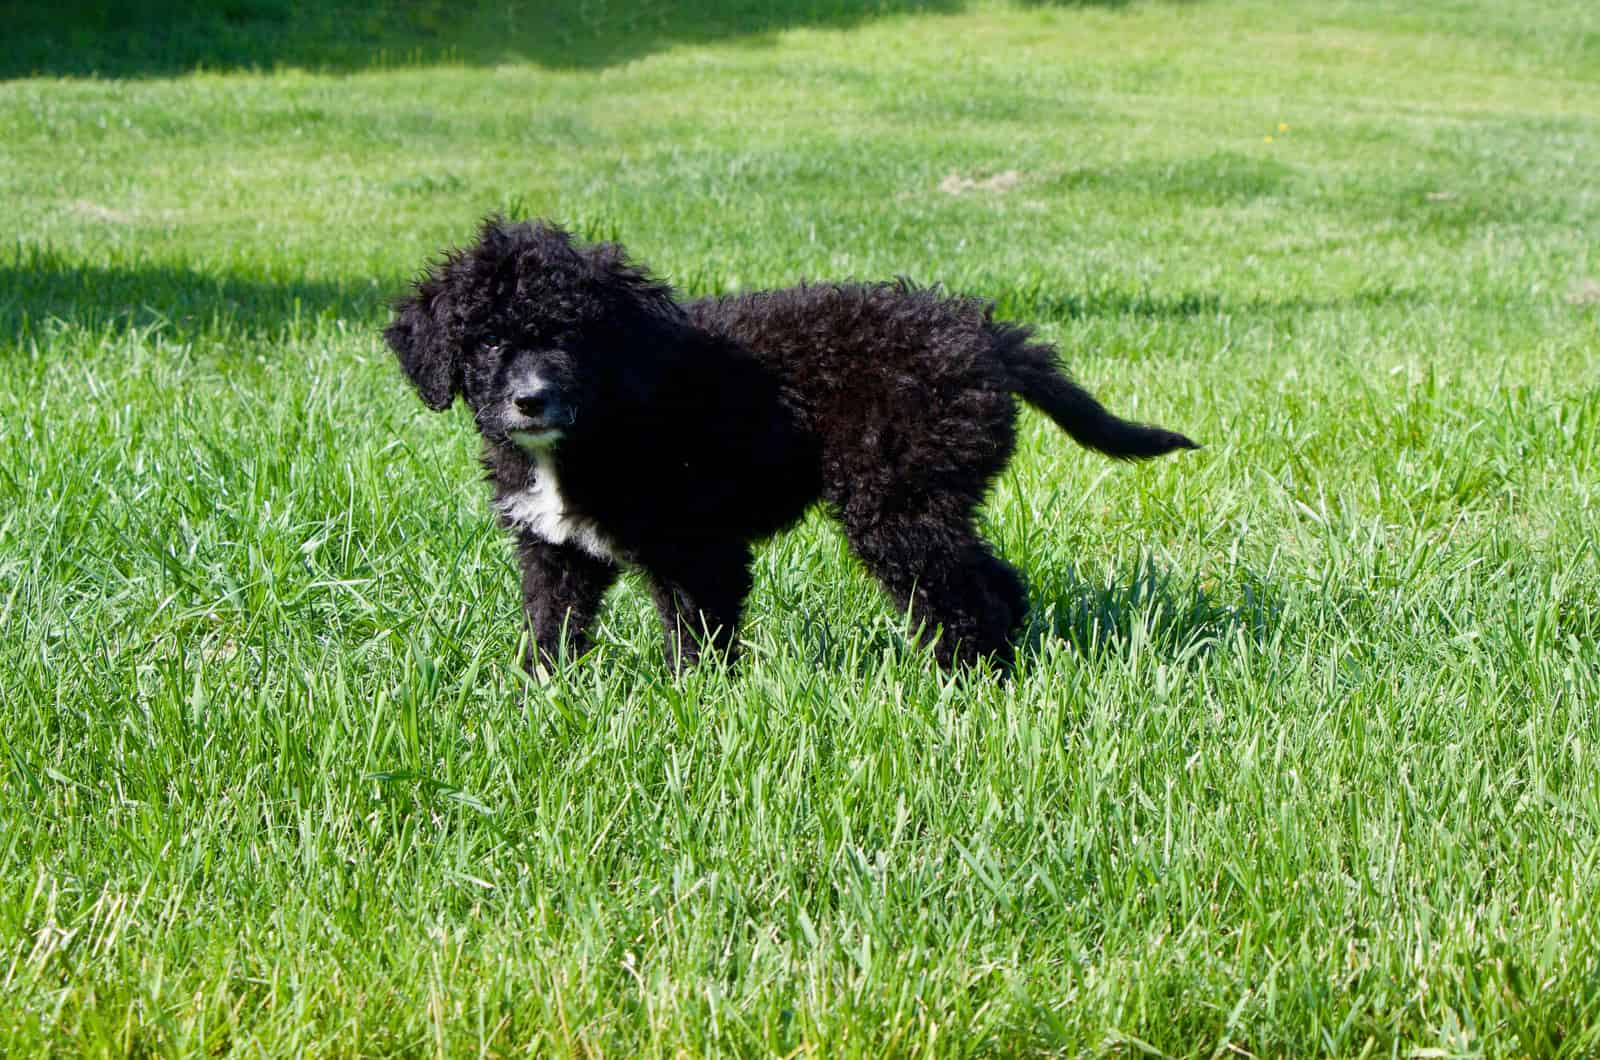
x: 539, y: 335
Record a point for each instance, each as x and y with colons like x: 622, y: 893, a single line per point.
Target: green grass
x: 1302, y: 755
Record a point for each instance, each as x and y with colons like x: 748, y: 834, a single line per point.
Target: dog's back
x: 889, y: 356
x: 900, y: 385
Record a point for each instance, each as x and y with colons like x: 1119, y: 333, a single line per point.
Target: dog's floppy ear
x: 428, y: 352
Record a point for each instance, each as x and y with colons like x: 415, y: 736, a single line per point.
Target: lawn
x: 1302, y: 751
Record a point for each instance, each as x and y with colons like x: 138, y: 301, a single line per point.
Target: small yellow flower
x: 1266, y: 139
x: 1283, y: 126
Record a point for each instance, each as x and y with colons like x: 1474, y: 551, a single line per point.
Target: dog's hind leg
x: 562, y: 588
x: 700, y: 593
x: 950, y: 581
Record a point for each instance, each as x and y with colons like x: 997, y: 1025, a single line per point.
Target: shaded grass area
x: 1300, y: 754
x: 155, y: 38
x: 162, y: 38
x: 40, y: 288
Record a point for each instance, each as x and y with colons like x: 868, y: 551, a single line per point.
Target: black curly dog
x: 622, y: 427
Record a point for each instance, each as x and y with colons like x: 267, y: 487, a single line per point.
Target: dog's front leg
x: 700, y: 593
x: 562, y: 587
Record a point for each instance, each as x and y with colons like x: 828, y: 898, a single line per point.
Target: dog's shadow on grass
x: 163, y: 38
x: 1097, y: 616
x: 1177, y: 618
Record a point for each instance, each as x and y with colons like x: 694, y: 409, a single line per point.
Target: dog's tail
x: 1039, y: 380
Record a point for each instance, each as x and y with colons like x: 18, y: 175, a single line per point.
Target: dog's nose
x: 533, y: 403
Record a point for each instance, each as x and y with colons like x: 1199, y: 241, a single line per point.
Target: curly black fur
x: 621, y: 427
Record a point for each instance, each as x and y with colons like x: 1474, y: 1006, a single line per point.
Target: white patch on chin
x: 536, y: 443
x: 540, y: 509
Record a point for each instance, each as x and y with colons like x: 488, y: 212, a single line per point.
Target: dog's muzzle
x: 538, y: 417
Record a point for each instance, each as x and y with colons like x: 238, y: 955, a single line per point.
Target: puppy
x: 624, y: 429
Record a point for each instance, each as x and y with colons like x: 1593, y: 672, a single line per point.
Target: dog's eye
x: 491, y: 344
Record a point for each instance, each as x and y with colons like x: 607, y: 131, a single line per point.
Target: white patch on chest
x: 540, y: 509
